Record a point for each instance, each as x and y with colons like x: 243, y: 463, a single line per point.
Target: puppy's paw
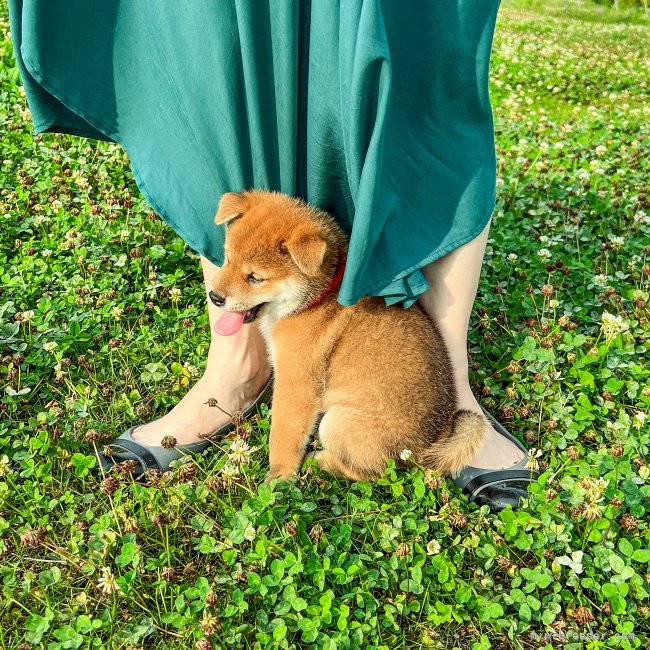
x: 281, y: 473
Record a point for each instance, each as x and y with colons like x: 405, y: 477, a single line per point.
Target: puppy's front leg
x: 294, y: 411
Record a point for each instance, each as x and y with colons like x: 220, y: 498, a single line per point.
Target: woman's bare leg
x: 453, y: 282
x: 237, y: 369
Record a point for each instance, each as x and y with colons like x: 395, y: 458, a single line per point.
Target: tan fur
x: 455, y: 450
x: 379, y: 376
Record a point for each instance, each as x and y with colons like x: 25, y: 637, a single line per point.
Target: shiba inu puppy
x: 374, y: 380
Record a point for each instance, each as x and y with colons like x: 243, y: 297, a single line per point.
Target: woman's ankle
x: 244, y: 362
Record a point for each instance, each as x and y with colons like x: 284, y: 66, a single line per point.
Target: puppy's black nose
x: 217, y: 300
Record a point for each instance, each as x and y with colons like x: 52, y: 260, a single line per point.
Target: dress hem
x: 432, y: 257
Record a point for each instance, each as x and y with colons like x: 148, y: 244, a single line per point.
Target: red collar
x: 334, y: 283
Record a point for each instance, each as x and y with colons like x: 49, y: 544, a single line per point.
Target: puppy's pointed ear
x: 307, y: 250
x: 231, y: 206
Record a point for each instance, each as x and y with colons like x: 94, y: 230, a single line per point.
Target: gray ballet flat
x: 125, y: 448
x: 497, y: 488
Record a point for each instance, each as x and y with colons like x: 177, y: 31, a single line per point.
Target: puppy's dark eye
x: 254, y: 279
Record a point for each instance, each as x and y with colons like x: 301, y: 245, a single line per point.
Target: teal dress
x: 375, y: 110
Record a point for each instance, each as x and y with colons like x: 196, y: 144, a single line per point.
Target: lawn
x: 103, y: 324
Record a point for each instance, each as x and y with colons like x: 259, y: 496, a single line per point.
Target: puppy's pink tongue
x: 229, y: 322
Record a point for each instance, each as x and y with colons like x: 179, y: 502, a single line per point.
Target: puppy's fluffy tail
x: 455, y: 449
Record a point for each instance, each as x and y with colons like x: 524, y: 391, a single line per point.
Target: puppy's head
x: 278, y: 253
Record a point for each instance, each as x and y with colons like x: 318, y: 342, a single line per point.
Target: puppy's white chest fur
x: 265, y: 325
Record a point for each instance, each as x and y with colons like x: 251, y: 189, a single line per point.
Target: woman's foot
x: 492, y: 477
x: 236, y: 372
x: 193, y: 417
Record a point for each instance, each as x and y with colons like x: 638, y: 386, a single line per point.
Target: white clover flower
x: 641, y: 217
x: 544, y: 146
x: 500, y: 182
x: 405, y: 454
x: 82, y: 182
x: 600, y: 150
x: 612, y: 325
x: 639, y: 419
x: 532, y: 462
x: 4, y: 465
x: 28, y: 315
x: 117, y: 312
x: 250, y: 533
x: 229, y: 471
x: 50, y: 346
x: 241, y: 451
x: 124, y: 233
x: 107, y: 583
x: 543, y: 239
x: 584, y: 175
x: 46, y: 252
x: 512, y: 257
x: 617, y: 242
x: 633, y: 262
x: 554, y: 304
x: 175, y: 294
x: 41, y: 219
x: 601, y: 280
x: 544, y: 253
x: 193, y: 371
x: 56, y: 205
x: 593, y: 510
x: 594, y: 488
x: 433, y: 547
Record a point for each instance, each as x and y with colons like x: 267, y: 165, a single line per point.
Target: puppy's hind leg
x: 348, y: 448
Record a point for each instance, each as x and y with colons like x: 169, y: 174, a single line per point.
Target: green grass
x: 94, y: 335
x: 603, y: 13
